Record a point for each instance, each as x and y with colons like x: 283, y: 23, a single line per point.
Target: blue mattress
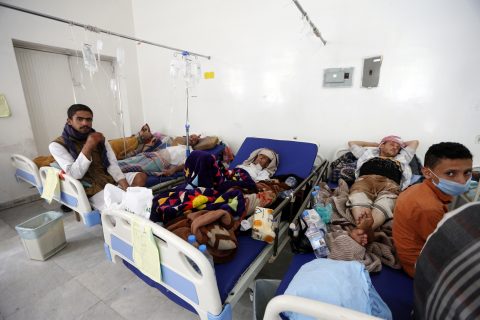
x: 394, y: 286
x: 227, y: 274
x: 290, y: 161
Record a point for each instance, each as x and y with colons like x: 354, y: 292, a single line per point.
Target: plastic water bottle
x: 314, y: 198
x: 311, y: 216
x: 316, y: 237
x: 286, y: 193
x: 295, y: 229
x: 192, y: 240
x: 203, y: 249
x: 291, y: 182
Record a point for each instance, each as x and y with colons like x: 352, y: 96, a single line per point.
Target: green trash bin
x: 43, y: 236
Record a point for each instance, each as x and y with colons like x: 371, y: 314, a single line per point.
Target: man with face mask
x: 84, y: 154
x: 448, y: 172
x: 382, y: 172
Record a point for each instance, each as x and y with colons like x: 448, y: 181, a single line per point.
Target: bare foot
x: 359, y: 213
x: 365, y: 221
x: 359, y: 236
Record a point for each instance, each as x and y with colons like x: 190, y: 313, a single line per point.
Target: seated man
x: 381, y: 173
x: 448, y: 172
x: 165, y: 162
x: 84, y: 154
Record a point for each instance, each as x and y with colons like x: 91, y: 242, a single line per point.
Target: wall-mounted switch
x: 371, y: 72
x: 338, y: 77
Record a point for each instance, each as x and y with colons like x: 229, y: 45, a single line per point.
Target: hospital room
x: 275, y: 159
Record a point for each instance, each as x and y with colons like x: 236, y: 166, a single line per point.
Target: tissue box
x: 263, y: 225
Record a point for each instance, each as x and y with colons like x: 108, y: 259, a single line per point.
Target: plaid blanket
x: 447, y: 276
x: 152, y: 163
x: 343, y: 247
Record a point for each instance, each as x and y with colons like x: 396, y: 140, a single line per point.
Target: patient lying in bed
x: 261, y: 164
x: 204, y: 173
x: 165, y: 161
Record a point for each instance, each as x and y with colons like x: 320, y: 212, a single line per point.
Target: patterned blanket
x: 343, y: 247
x: 210, y: 186
x: 169, y: 205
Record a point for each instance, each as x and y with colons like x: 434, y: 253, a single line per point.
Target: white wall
x: 15, y: 132
x: 269, y: 72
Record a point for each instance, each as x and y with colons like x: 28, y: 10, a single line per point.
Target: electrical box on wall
x: 371, y: 72
x: 337, y: 77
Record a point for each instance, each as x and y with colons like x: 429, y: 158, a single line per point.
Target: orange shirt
x: 417, y: 212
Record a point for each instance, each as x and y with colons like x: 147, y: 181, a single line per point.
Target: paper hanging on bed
x: 4, y: 109
x: 145, y: 251
x: 51, y: 187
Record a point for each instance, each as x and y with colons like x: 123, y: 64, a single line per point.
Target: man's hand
x: 123, y: 184
x: 92, y: 141
x: 170, y: 171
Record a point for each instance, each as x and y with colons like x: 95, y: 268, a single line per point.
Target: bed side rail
x: 313, y: 308
x: 316, y: 174
x: 72, y: 194
x: 26, y: 170
x: 200, y: 290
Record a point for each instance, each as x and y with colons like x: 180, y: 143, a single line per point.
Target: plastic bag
x: 137, y: 200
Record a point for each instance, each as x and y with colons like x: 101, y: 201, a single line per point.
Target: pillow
x: 118, y: 146
x: 43, y: 161
x: 206, y: 143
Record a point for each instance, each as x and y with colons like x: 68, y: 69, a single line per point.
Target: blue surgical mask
x: 451, y: 187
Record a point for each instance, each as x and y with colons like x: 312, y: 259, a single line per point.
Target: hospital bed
x: 437, y: 292
x: 72, y: 193
x: 394, y: 286
x: 212, y: 292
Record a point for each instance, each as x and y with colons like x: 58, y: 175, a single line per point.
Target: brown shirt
x: 417, y: 212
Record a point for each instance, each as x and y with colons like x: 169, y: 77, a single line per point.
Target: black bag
x: 344, y: 167
x: 300, y: 244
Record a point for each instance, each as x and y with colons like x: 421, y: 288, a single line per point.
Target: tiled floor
x: 79, y: 283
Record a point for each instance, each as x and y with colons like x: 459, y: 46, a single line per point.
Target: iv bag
x: 174, y: 68
x: 99, y: 48
x: 89, y: 60
x: 120, y: 56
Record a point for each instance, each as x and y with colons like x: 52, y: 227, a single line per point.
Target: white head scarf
x: 272, y: 155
